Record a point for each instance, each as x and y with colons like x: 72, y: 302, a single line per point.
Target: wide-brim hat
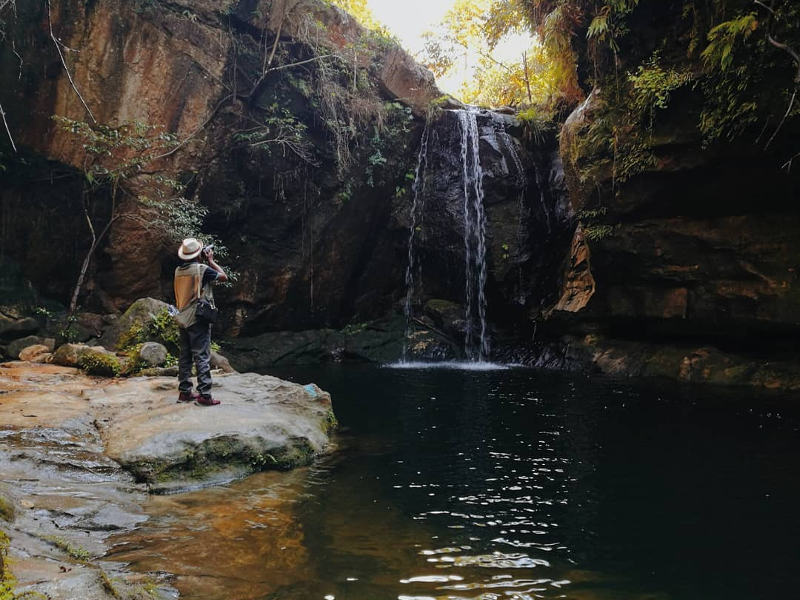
x: 190, y: 248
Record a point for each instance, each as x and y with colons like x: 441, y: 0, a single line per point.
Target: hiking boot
x: 187, y: 396
x: 206, y: 400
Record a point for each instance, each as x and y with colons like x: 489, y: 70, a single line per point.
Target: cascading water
x: 474, y: 239
x: 448, y: 190
x: 417, y: 206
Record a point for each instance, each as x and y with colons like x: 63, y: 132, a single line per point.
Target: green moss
x: 108, y: 585
x: 134, y: 364
x: 227, y: 454
x: 132, y: 337
x: 99, y: 364
x: 73, y: 550
x: 7, y: 510
x: 8, y: 583
x: 330, y: 423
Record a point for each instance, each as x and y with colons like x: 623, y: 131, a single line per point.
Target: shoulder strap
x: 198, y: 275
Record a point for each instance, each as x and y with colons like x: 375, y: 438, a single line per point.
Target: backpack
x: 200, y: 308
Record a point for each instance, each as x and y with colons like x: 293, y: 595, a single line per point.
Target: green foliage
x: 73, y: 550
x: 42, y: 311
x: 536, y: 124
x: 67, y: 331
x: 360, y: 10
x: 596, y: 233
x: 593, y: 225
x: 609, y: 24
x: 723, y: 38
x: 752, y: 73
x: 281, y: 133
x: 652, y: 85
x: 162, y: 329
x: 115, y: 152
x: 100, y: 364
x: 471, y: 31
x: 388, y: 137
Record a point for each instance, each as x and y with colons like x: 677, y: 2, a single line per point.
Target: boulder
x: 87, y: 326
x: 12, y: 328
x: 139, y: 313
x: 446, y: 315
x: 96, y: 360
x: 153, y: 354
x: 14, y: 348
x: 220, y: 362
x: 35, y: 353
x: 67, y: 355
x: 261, y: 423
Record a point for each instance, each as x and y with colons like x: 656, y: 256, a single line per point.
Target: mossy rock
x: 130, y: 329
x: 68, y: 355
x: 100, y: 363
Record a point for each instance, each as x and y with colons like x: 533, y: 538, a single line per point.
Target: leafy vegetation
x: 473, y: 30
x: 162, y: 329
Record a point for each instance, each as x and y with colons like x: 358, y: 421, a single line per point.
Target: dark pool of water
x: 510, y: 484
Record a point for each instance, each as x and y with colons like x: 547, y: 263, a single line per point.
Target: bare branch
x: 63, y: 62
x: 268, y: 61
x: 769, y: 8
x: 8, y: 131
x: 783, y: 120
x: 788, y: 164
x: 790, y: 51
x: 261, y: 79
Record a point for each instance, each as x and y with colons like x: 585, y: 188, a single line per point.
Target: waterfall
x: 476, y: 343
x: 462, y: 157
x: 417, y: 205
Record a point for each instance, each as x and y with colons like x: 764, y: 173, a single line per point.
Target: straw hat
x: 190, y: 248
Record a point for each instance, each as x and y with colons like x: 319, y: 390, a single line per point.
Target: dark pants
x: 195, y: 347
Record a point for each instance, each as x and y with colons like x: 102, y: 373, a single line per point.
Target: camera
x: 207, y: 248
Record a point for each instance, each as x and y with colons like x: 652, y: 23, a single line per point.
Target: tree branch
x: 790, y: 51
x: 769, y: 8
x: 63, y: 62
x: 8, y: 131
x: 783, y: 120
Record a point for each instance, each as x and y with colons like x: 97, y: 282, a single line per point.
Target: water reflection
x: 514, y: 485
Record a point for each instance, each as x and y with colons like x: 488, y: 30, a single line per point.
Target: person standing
x: 192, y: 283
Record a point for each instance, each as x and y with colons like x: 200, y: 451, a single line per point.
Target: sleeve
x: 209, y: 276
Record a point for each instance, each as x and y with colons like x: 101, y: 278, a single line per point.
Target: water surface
x: 511, y: 484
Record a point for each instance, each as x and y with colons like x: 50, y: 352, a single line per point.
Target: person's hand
x: 209, y: 254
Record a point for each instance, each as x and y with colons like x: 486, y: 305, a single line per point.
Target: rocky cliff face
x: 633, y: 243
x: 290, y: 124
x: 689, y: 244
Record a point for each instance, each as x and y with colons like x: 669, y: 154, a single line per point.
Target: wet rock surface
x: 78, y: 456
